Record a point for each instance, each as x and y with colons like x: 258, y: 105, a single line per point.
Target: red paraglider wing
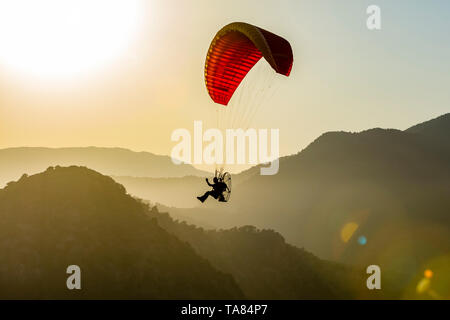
x: 235, y: 49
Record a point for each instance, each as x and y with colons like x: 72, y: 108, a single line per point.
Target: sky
x: 344, y: 78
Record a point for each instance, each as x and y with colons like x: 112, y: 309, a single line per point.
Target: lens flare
x: 428, y: 274
x: 362, y: 240
x: 423, y: 286
x: 348, y: 230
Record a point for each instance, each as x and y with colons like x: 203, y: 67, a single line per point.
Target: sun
x: 65, y: 38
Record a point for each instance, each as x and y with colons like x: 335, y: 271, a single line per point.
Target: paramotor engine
x: 226, y: 178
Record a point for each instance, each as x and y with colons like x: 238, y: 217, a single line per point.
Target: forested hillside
x: 74, y: 215
x: 266, y: 267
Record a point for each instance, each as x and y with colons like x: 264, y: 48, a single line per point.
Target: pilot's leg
x: 205, y: 196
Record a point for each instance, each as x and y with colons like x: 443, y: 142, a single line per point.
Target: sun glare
x: 62, y: 38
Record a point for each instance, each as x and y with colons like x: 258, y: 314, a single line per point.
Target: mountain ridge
x: 110, y: 161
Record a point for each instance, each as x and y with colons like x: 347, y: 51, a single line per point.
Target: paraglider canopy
x: 235, y: 49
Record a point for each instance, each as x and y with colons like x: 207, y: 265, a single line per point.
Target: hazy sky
x: 345, y: 77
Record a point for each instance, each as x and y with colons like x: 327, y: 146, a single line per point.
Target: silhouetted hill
x: 110, y: 161
x: 377, y: 154
x: 437, y: 130
x: 74, y: 215
x: 437, y: 127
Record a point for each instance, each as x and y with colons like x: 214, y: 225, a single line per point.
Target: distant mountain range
x: 110, y: 161
x: 126, y: 250
x: 178, y: 192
